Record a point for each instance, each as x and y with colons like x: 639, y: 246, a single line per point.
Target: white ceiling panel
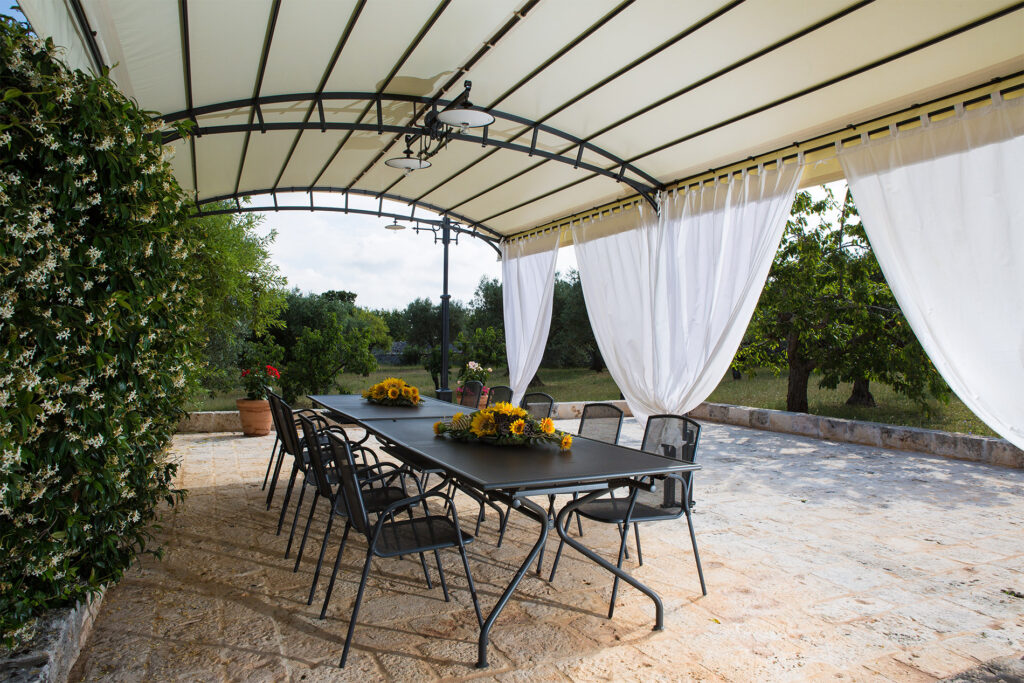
x: 226, y: 41
x: 555, y: 52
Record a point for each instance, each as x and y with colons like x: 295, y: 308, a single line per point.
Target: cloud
x: 319, y: 251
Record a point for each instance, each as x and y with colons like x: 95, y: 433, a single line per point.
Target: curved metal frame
x: 620, y: 170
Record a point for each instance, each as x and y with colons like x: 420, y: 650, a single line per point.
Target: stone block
x: 945, y: 444
x: 907, y: 438
x: 211, y: 421
x: 970, y: 447
x: 864, y: 433
x: 739, y: 415
x: 700, y: 412
x: 833, y: 428
x: 1003, y: 453
x: 760, y: 418
x: 794, y: 423
x: 718, y: 412
x: 58, y: 641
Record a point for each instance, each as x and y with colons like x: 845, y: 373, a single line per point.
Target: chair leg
x: 355, y: 608
x: 277, y: 474
x: 334, y: 574
x: 270, y: 463
x: 472, y: 586
x: 320, y: 561
x: 440, y: 571
x: 481, y: 516
x: 305, y: 532
x: 287, y: 496
x: 423, y: 560
x: 561, y: 545
x: 295, y: 520
x: 622, y: 552
x: 639, y: 552
x: 696, y: 555
x: 618, y: 525
x: 504, y: 523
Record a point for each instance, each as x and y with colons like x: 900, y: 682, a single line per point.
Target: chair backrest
x: 673, y: 436
x: 499, y: 394
x: 350, y: 491
x: 601, y: 421
x: 538, y: 404
x: 471, y: 391
x: 284, y: 422
x: 316, y: 458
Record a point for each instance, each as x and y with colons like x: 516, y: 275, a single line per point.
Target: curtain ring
x: 958, y: 108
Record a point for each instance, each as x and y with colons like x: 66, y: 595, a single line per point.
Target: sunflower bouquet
x: 393, y: 392
x: 505, y: 425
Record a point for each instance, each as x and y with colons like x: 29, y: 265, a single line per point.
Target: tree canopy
x: 826, y: 307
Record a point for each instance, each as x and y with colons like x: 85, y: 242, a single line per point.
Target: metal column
x: 444, y: 393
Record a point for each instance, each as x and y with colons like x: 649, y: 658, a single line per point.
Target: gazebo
x: 664, y: 140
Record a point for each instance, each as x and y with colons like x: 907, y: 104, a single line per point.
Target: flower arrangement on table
x: 393, y: 392
x: 505, y: 425
x: 254, y: 381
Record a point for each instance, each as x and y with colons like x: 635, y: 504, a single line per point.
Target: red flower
x: 245, y: 373
x: 273, y: 372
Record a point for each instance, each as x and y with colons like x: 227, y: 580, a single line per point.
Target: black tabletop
x: 355, y: 407
x: 489, y: 467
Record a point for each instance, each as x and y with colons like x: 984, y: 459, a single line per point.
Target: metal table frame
x: 502, y: 474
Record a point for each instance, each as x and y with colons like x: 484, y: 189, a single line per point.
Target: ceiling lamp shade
x: 465, y: 117
x: 394, y: 226
x: 408, y: 162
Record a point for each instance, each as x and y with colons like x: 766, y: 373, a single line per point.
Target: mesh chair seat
x: 408, y: 536
x: 538, y: 404
x: 613, y: 511
x: 375, y: 499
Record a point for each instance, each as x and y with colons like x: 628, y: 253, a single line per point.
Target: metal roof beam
x: 88, y: 35
x: 186, y: 56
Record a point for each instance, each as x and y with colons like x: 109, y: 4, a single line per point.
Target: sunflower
x: 483, y: 424
x: 566, y: 442
x: 394, y: 392
x: 503, y: 407
x: 414, y: 394
x: 407, y: 392
x: 547, y: 425
x: 379, y: 392
x: 439, y: 428
x: 518, y: 427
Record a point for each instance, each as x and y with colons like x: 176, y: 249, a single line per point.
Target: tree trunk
x: 799, y: 375
x: 535, y: 382
x: 596, y: 361
x: 861, y: 394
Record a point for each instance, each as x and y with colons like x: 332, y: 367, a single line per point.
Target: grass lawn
x: 763, y: 390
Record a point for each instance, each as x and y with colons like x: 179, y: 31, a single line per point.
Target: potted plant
x: 254, y: 409
x: 474, y: 371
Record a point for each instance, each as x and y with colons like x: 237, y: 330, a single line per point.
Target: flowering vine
x: 97, y: 329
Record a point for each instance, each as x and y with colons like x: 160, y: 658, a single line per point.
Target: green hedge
x: 96, y: 330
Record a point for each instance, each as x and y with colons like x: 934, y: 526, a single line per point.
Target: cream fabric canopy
x: 611, y: 96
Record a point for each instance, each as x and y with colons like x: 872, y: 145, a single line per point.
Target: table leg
x: 560, y: 527
x: 530, y: 509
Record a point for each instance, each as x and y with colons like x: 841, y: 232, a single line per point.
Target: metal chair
x: 499, y: 394
x: 377, y: 479
x: 600, y: 422
x: 280, y: 419
x: 391, y: 538
x: 675, y: 437
x: 538, y: 404
x: 471, y: 391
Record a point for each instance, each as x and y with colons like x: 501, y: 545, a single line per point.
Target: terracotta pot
x: 255, y: 416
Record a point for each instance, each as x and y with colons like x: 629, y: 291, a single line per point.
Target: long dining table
x: 512, y: 475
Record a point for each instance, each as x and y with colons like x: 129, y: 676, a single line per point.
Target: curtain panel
x: 528, y: 285
x: 943, y: 208
x: 670, y: 300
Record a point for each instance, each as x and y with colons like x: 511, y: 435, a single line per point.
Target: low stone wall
x: 951, y: 445
x: 52, y: 653
x: 984, y: 449
x: 211, y: 421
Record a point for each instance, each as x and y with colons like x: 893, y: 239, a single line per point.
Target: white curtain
x: 528, y: 285
x: 943, y: 207
x: 670, y: 300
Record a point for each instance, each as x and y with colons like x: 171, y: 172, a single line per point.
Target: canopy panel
x: 635, y: 95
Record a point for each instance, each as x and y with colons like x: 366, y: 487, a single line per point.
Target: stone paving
x: 823, y: 561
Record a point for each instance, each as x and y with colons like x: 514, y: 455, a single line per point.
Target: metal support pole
x: 444, y: 393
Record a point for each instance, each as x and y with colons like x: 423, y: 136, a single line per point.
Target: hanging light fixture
x: 465, y: 116
x: 408, y: 162
x: 395, y: 225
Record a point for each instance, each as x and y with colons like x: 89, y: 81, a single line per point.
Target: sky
x: 322, y: 250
